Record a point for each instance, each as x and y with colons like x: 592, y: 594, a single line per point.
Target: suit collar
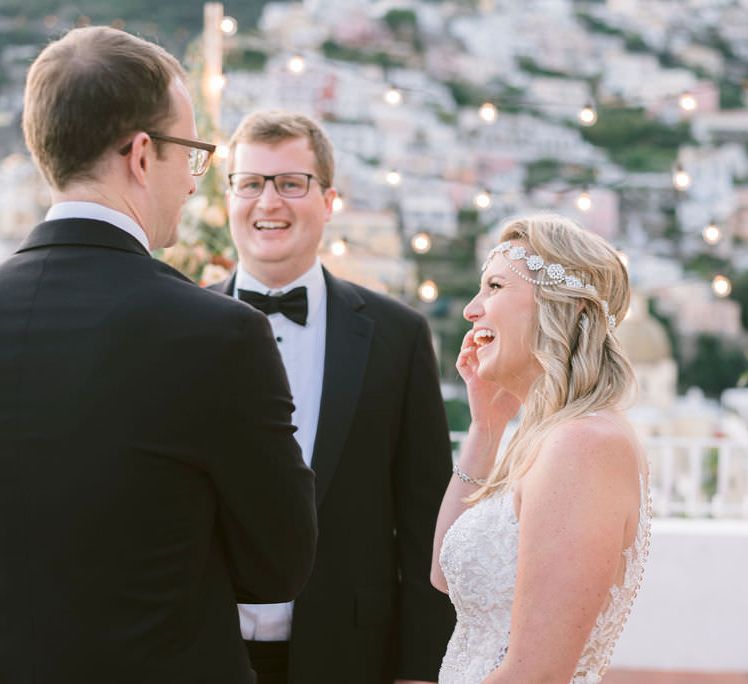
x: 87, y: 232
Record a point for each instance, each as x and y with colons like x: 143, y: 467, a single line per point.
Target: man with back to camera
x: 370, y: 422
x: 146, y: 484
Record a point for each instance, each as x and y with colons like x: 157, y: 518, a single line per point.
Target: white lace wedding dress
x: 479, y: 560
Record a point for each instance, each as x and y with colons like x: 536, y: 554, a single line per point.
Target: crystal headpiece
x: 553, y: 274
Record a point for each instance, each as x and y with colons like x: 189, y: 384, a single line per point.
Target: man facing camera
x: 370, y: 420
x: 150, y: 477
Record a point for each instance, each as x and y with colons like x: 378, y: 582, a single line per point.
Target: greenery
x: 544, y: 171
x: 333, y: 50
x: 532, y: 67
x: 730, y: 95
x: 716, y: 366
x: 706, y: 265
x: 740, y: 295
x: 244, y: 60
x: 636, y: 141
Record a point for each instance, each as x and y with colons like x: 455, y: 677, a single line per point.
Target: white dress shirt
x: 98, y: 212
x: 302, y: 348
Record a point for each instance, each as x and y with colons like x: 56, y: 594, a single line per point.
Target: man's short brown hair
x: 276, y: 126
x: 86, y: 92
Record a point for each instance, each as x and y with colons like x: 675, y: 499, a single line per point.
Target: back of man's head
x: 88, y: 91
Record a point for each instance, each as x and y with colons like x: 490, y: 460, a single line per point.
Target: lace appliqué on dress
x: 479, y: 561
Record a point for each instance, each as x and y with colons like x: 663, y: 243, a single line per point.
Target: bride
x: 542, y: 550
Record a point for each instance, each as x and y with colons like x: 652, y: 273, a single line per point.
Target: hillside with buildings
x: 627, y: 115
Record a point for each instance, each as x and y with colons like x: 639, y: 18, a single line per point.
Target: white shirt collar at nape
x: 313, y: 280
x: 98, y: 212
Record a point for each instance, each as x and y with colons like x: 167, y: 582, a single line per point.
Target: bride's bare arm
x: 579, y: 510
x: 491, y: 408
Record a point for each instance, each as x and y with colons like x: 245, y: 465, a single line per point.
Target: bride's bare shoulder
x: 599, y: 445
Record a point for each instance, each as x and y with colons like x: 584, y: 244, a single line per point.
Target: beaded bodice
x: 479, y: 561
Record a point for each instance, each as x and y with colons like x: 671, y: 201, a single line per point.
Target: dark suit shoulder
x: 378, y: 305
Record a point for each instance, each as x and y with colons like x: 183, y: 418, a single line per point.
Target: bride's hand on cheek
x: 490, y: 405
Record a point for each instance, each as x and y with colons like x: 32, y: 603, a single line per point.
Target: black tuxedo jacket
x: 382, y: 458
x: 145, y: 484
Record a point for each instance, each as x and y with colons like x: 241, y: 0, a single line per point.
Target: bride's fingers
x: 466, y: 358
x: 467, y: 340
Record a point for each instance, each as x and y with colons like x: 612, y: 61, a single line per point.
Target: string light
x: 428, y: 291
x: 216, y: 83
x: 721, y: 286
x: 687, y: 102
x: 482, y: 199
x: 488, y: 112
x: 681, y: 179
x: 421, y: 243
x: 339, y: 247
x: 711, y: 234
x: 337, y: 204
x: 393, y: 177
x: 587, y: 115
x: 296, y: 64
x: 229, y: 26
x: 393, y: 96
x: 584, y: 201
x: 222, y: 152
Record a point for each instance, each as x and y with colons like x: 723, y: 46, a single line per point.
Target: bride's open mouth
x: 482, y: 337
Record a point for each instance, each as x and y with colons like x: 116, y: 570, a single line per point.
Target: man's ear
x: 140, y: 157
x: 329, y: 195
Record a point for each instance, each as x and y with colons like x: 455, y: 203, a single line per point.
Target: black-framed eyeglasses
x: 289, y: 185
x: 200, y: 152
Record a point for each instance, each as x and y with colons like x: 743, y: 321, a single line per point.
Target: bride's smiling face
x: 504, y: 318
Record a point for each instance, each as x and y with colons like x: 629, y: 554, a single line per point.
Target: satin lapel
x: 347, y: 345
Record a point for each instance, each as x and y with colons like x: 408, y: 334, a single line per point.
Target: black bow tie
x: 292, y: 304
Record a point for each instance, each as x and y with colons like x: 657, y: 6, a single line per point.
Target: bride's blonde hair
x: 584, y: 367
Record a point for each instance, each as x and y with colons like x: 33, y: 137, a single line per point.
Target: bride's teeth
x: 270, y: 225
x: 483, y: 336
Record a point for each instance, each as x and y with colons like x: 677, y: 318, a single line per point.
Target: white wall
x: 692, y: 610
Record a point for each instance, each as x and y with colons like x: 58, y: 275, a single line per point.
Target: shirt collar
x: 98, y: 212
x: 313, y: 280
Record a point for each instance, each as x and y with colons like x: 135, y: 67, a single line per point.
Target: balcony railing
x: 690, y: 477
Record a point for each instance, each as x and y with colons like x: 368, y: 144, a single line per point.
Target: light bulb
x: 222, y: 152
x: 393, y: 177
x: 681, y: 179
x: 228, y: 26
x: 584, y: 201
x: 482, y: 200
x: 711, y: 234
x: 338, y: 204
x: 296, y: 64
x: 488, y: 112
x: 587, y: 115
x: 428, y: 291
x: 338, y: 247
x: 421, y: 243
x: 721, y: 286
x: 216, y: 83
x: 687, y: 102
x: 393, y: 96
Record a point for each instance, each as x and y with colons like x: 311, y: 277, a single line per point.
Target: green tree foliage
x: 401, y: 22
x: 636, y: 141
x: 740, y: 295
x: 716, y: 366
x: 333, y: 50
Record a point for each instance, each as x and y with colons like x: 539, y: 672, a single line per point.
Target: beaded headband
x: 555, y: 274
